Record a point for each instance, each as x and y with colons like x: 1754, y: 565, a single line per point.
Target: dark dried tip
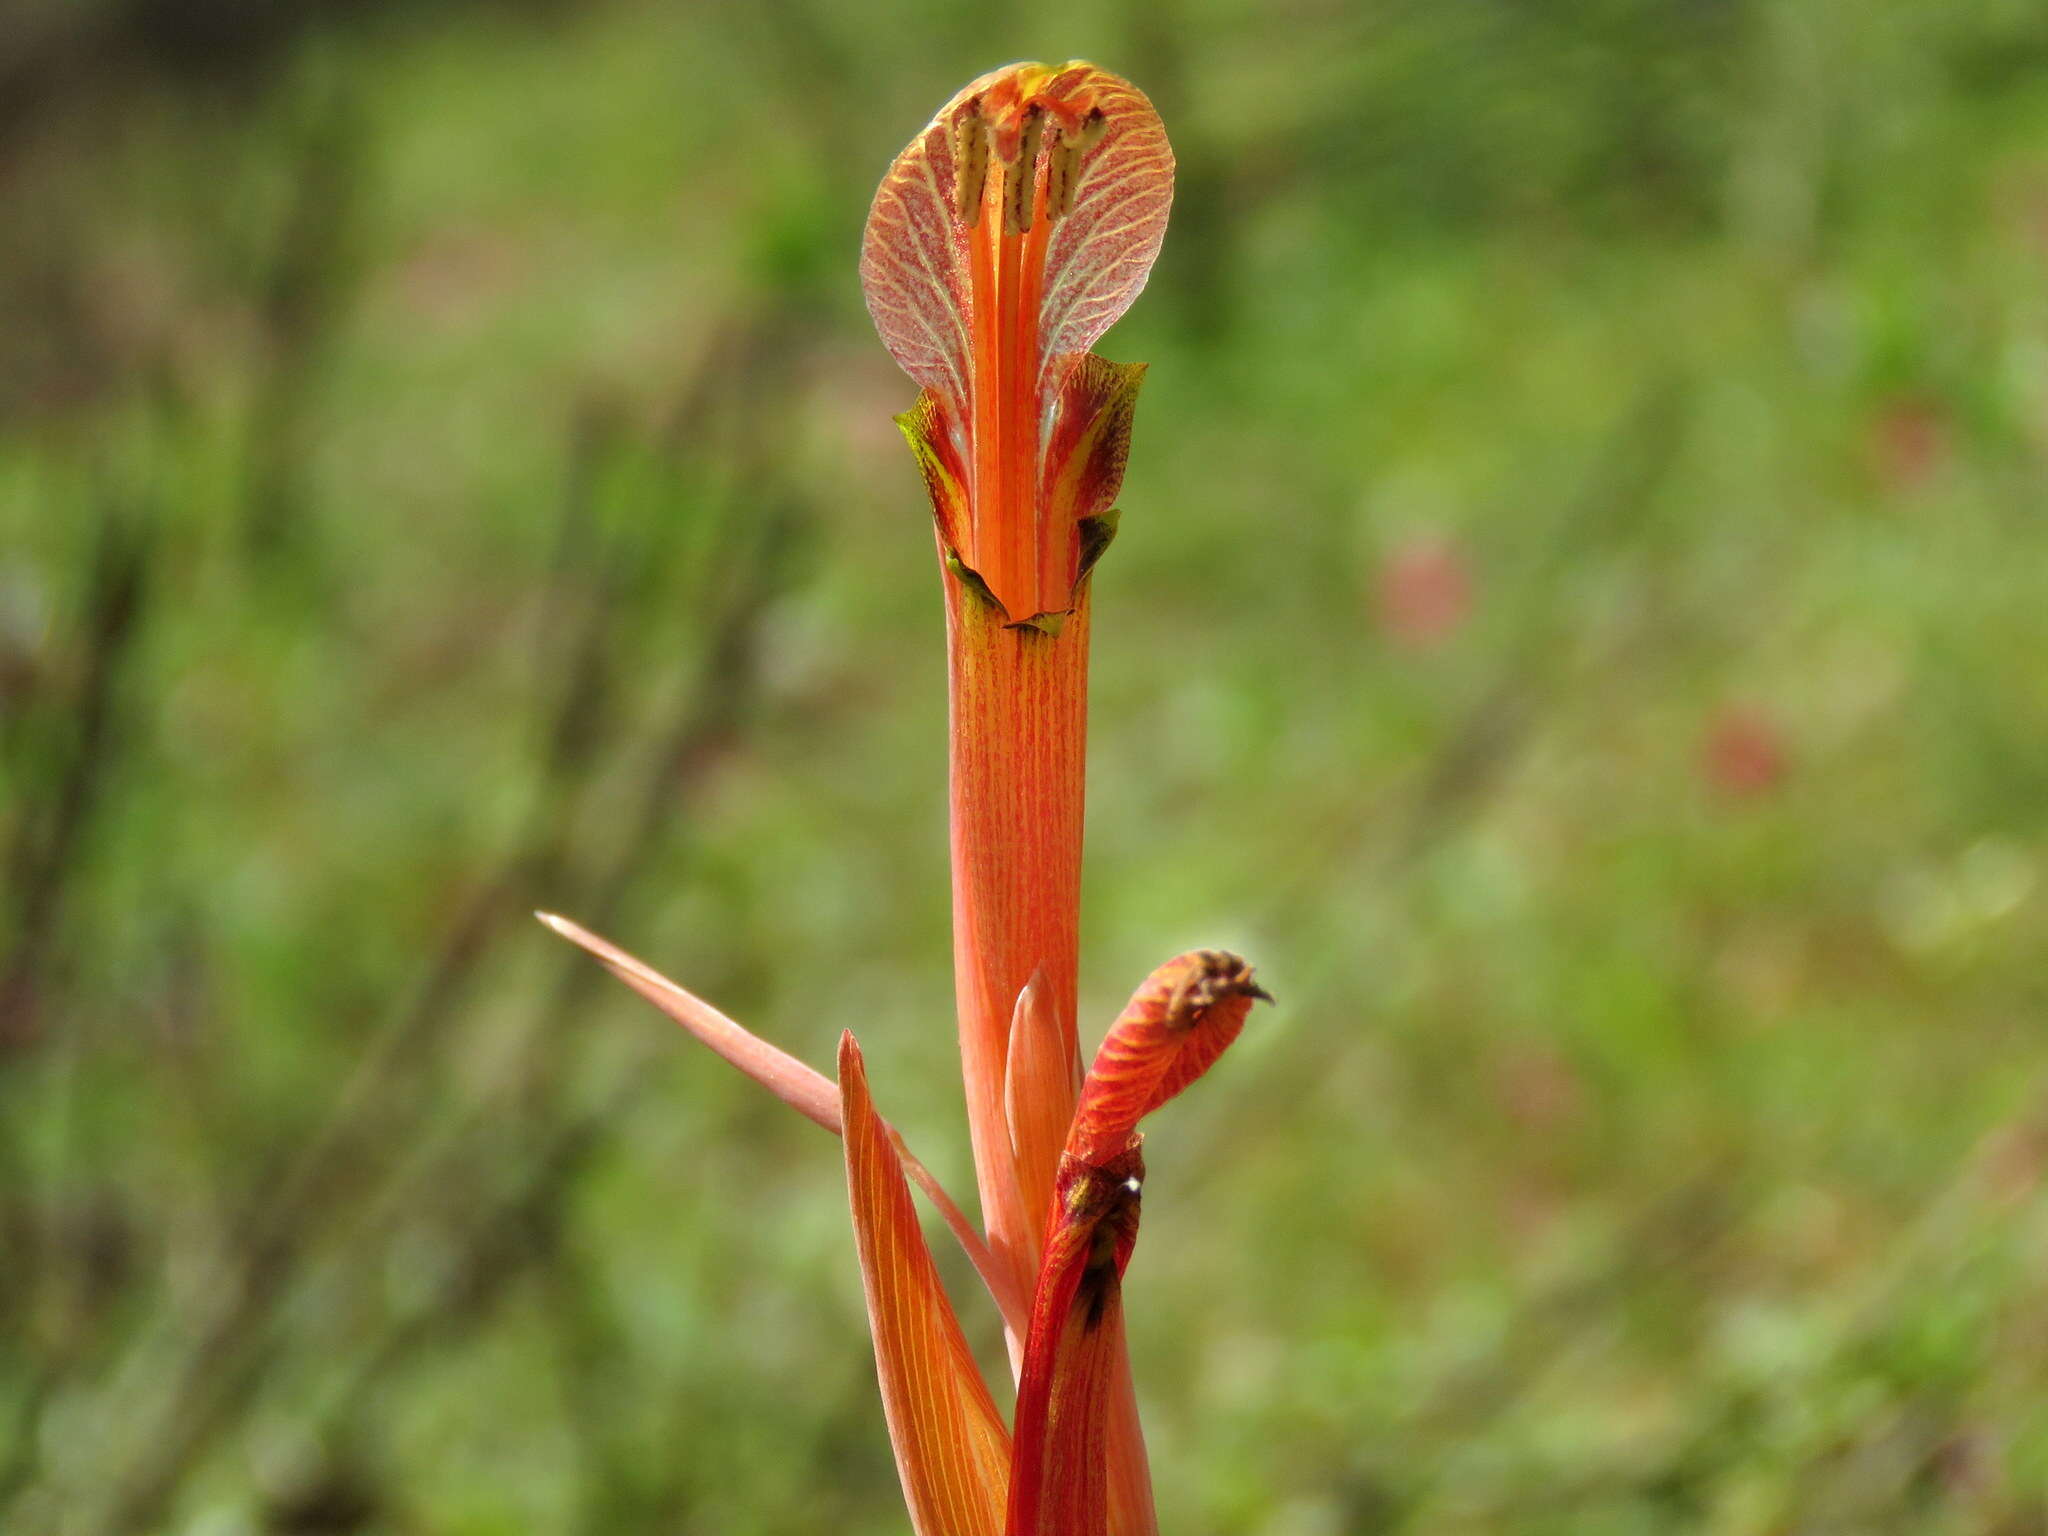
x: 1221, y: 975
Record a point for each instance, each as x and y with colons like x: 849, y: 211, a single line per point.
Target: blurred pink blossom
x: 1424, y: 591
x: 1744, y: 754
x: 1909, y: 441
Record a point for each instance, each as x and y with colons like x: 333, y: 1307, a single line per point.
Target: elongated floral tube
x: 1004, y: 240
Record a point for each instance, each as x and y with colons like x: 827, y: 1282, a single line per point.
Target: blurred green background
x: 1578, y: 625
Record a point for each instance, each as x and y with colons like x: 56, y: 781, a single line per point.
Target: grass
x: 444, y: 469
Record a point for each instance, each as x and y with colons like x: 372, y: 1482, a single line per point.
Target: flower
x: 962, y: 1472
x: 1005, y: 239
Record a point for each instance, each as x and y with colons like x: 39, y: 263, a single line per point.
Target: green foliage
x: 1577, y: 627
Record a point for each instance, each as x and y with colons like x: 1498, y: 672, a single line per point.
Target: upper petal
x: 915, y: 265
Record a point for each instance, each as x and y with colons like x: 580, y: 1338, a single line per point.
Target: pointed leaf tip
x: 801, y: 1087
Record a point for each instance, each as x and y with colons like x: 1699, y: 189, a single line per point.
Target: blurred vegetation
x: 1578, y: 625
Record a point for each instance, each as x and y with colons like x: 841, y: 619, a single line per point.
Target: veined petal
x: 803, y: 1088
x: 951, y: 1449
x: 1106, y: 180
x: 1004, y: 240
x: 1102, y: 252
x: 1174, y: 1027
x: 1090, y: 439
x: 1087, y: 445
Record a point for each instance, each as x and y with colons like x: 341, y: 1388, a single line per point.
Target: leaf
x: 801, y: 1087
x: 951, y: 1449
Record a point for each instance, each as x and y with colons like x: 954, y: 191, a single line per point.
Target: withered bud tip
x: 1218, y: 974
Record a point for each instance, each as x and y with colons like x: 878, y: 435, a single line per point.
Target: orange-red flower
x: 963, y: 1474
x: 1178, y: 1023
x: 1005, y: 239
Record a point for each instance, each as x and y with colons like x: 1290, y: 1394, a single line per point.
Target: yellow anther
x: 970, y: 162
x: 1071, y: 143
x: 1062, y: 170
x: 1020, y: 176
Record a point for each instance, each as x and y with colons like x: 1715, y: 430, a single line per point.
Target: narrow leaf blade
x: 801, y: 1087
x: 951, y: 1449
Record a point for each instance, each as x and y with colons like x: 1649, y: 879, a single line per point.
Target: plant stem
x: 1019, y: 706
